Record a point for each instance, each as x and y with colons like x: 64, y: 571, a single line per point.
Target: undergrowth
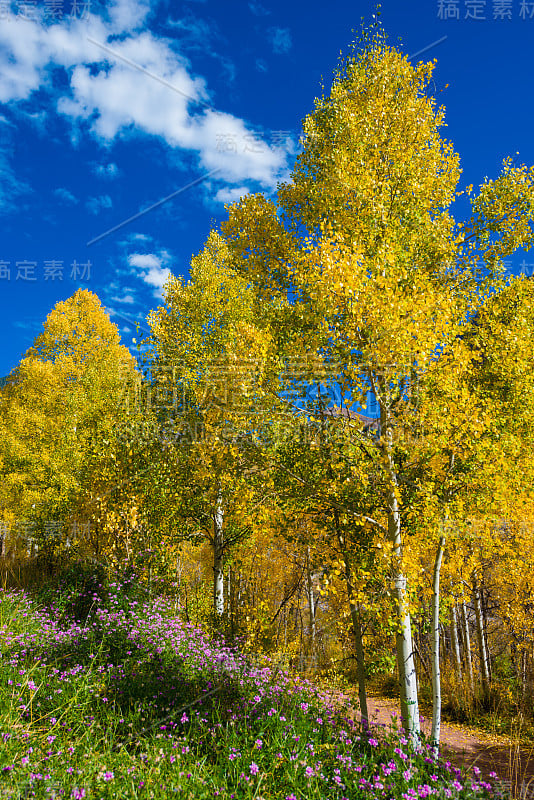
x: 107, y: 694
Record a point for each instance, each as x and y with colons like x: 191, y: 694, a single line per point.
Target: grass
x: 499, y: 715
x: 103, y: 695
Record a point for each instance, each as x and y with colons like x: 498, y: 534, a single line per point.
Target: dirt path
x: 467, y: 747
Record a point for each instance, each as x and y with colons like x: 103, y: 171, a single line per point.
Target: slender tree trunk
x: 484, y: 671
x: 186, y: 605
x: 218, y: 560
x: 179, y: 570
x: 455, y: 642
x: 405, y: 661
x: 229, y: 587
x: 484, y: 607
x: 360, y: 661
x: 523, y: 672
x: 420, y: 656
x: 356, y: 626
x: 513, y: 659
x: 301, y: 648
x: 237, y: 599
x: 311, y: 609
x: 467, y: 645
x: 127, y: 542
x: 405, y: 655
x: 443, y: 637
x: 436, y: 678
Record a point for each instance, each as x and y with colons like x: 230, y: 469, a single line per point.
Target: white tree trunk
x: 455, y: 642
x: 218, y: 560
x: 524, y: 659
x: 406, y: 663
x: 484, y: 607
x: 311, y: 610
x: 405, y: 654
x: 484, y: 669
x: 467, y: 645
x: 436, y: 678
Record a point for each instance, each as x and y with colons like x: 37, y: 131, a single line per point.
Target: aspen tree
x: 60, y: 407
x: 359, y: 261
x: 208, y: 352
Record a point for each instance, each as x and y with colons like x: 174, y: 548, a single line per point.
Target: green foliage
x: 356, y: 271
x: 116, y: 710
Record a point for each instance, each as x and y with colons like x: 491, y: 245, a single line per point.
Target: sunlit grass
x: 129, y: 701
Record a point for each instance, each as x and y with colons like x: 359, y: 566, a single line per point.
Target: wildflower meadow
x: 133, y: 702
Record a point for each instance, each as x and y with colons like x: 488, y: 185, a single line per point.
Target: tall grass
x: 502, y: 709
x: 105, y: 694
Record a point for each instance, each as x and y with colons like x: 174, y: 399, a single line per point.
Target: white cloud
x: 280, y: 39
x: 129, y: 299
x: 224, y: 142
x: 29, y: 51
x: 231, y: 194
x: 122, y: 99
x: 138, y: 237
x: 151, y: 269
x: 65, y: 196
x: 110, y: 170
x: 126, y: 15
x: 134, y: 85
x: 96, y: 204
x: 261, y: 65
x: 22, y: 59
x: 143, y: 260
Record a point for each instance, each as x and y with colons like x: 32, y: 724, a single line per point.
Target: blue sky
x: 110, y: 108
